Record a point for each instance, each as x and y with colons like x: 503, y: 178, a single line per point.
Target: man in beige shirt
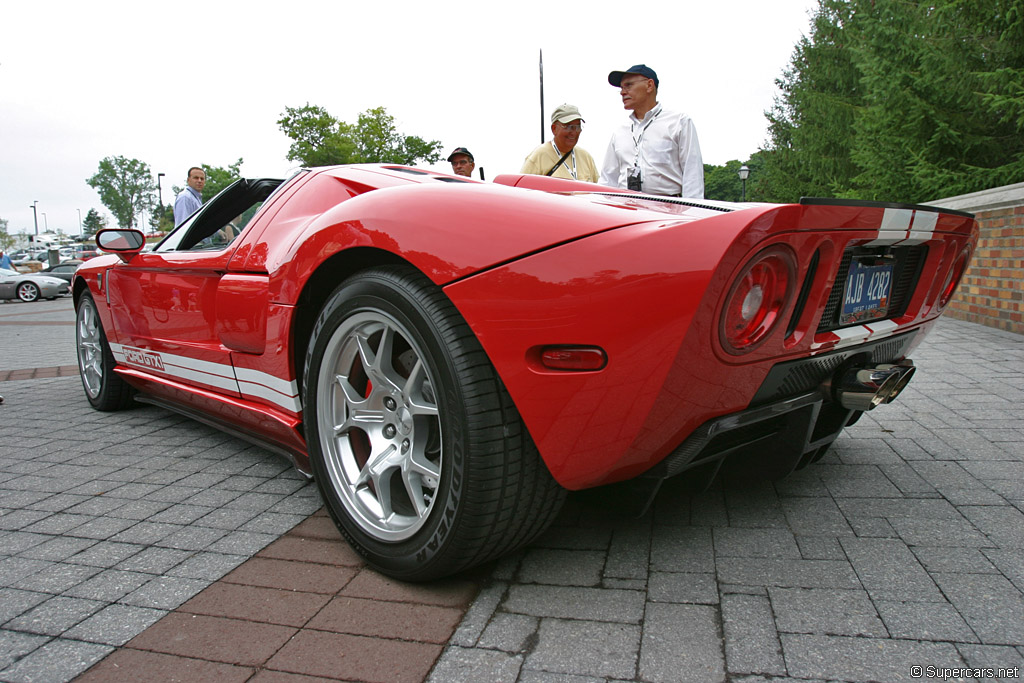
x: 561, y: 157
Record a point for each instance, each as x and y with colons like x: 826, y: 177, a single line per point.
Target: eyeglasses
x: 572, y: 127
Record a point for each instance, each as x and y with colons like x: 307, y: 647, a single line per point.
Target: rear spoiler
x: 826, y: 201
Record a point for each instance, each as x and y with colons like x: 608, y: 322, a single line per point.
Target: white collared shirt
x: 664, y: 145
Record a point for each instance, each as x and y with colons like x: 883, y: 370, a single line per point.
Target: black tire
x: 28, y: 291
x: 420, y: 456
x: 105, y: 390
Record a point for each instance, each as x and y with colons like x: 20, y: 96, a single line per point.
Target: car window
x: 219, y: 222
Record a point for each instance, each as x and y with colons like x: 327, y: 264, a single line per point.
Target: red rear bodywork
x: 222, y: 335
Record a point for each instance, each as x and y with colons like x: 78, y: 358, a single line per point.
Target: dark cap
x: 615, y: 77
x: 462, y: 150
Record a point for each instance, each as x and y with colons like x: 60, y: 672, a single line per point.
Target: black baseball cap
x: 615, y: 77
x: 462, y: 150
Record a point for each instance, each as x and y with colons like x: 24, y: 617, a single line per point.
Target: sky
x: 184, y: 84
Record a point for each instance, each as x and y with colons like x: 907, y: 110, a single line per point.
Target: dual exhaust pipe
x: 864, y: 388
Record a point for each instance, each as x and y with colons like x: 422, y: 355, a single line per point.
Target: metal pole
x: 160, y: 192
x: 542, y: 97
x: 35, y: 216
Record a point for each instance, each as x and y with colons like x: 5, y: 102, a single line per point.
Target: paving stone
x: 266, y: 605
x: 815, y: 517
x: 992, y: 606
x: 681, y: 643
x: 682, y: 549
x: 1010, y: 659
x: 1003, y: 526
x: 15, y: 645
x: 338, y: 655
x: 57, y: 660
x: 54, y: 616
x: 751, y: 640
x: 820, y: 548
x: 478, y: 615
x: 56, y: 578
x: 460, y: 665
x: 861, y: 659
x: 937, y: 621
x: 562, y: 567
x: 629, y: 552
x: 787, y: 573
x: 130, y: 666
x: 192, y: 635
x: 963, y: 560
x: 115, y: 624
x: 683, y: 588
x: 755, y: 543
x: 15, y: 602
x: 889, y: 571
x: 296, y: 576
x: 109, y: 585
x: 592, y: 604
x: 209, y: 566
x: 825, y: 610
x: 509, y: 632
x: 154, y: 560
x: 164, y: 592
x: 588, y: 648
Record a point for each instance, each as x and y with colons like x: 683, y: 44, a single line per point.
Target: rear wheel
x: 103, y: 387
x: 28, y: 291
x: 417, y: 449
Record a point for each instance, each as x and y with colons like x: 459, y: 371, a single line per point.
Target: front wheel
x: 417, y: 449
x: 103, y: 387
x: 28, y: 292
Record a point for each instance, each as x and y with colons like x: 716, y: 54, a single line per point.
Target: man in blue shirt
x: 191, y: 198
x: 5, y: 261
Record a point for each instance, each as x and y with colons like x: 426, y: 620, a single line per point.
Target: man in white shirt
x: 657, y: 152
x: 191, y: 198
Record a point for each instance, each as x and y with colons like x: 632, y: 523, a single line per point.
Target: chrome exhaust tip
x: 908, y: 368
x: 864, y: 388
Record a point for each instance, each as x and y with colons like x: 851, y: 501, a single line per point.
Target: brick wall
x: 992, y: 291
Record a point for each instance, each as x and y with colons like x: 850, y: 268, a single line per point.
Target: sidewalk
x: 142, y: 544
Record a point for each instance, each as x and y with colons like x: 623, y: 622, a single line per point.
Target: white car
x: 30, y: 286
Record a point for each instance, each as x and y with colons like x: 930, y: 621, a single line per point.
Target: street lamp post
x: 35, y: 216
x: 46, y: 224
x: 160, y: 192
x: 744, y: 174
x: 79, y: 223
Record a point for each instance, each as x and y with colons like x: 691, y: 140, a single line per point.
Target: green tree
x: 126, y: 187
x: 93, y: 222
x: 810, y: 124
x: 6, y: 240
x: 217, y: 178
x: 943, y: 97
x: 900, y: 100
x: 162, y: 221
x: 320, y: 139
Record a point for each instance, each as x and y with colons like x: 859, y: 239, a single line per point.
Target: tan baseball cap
x: 566, y: 113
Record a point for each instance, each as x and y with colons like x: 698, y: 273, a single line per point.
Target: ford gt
x: 447, y: 357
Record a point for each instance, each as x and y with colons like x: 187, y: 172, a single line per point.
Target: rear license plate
x: 867, y: 291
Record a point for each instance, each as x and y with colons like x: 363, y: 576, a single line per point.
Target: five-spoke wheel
x: 416, y: 447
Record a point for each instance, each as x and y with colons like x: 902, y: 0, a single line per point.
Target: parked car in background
x: 447, y: 357
x: 30, y: 286
x: 65, y: 270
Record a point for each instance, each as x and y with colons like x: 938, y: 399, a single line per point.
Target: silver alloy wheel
x: 90, y: 348
x: 380, y: 428
x: 27, y: 292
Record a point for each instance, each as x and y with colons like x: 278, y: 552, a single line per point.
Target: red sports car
x: 447, y: 357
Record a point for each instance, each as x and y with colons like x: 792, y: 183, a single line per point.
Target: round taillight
x: 757, y: 299
x: 953, y: 279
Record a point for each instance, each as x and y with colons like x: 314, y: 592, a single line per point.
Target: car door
x: 164, y: 303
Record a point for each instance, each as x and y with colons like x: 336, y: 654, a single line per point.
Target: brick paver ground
x: 903, y: 548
